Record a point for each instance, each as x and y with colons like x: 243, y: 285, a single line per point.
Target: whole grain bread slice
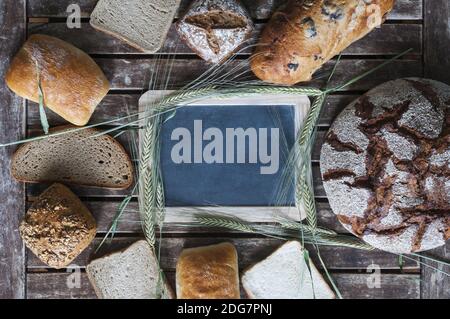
x: 129, y: 274
x: 74, y: 158
x: 285, y: 275
x: 141, y: 23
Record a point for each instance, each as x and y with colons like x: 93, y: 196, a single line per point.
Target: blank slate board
x: 227, y: 184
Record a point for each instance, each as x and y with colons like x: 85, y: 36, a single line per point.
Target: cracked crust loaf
x: 209, y: 272
x: 385, y: 166
x: 57, y: 227
x: 72, y: 83
x: 214, y: 29
x: 303, y: 35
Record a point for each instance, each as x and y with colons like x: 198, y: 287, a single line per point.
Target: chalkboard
x: 191, y: 179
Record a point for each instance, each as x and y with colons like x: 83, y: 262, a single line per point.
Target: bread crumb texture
x: 132, y: 273
x: 74, y: 158
x: 385, y: 165
x: 285, y: 275
x: 57, y: 227
x: 141, y: 23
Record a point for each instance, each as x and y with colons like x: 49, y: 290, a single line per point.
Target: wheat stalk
x: 224, y: 222
x: 147, y: 184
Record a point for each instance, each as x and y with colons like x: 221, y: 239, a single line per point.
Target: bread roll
x: 303, y: 35
x: 71, y: 81
x: 57, y: 227
x: 209, y: 272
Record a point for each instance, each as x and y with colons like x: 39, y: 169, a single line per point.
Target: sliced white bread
x: 129, y: 274
x: 141, y: 23
x: 74, y: 158
x: 285, y: 275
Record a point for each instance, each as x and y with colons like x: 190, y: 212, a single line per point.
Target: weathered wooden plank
x: 126, y: 140
x: 12, y: 256
x: 118, y: 105
x: 437, y: 39
x: 250, y: 250
x: 34, y: 190
x: 134, y: 74
x: 390, y: 286
x: 435, y: 284
x: 259, y: 9
x: 104, y: 212
x: 387, y: 40
x: 77, y: 286
x: 112, y: 106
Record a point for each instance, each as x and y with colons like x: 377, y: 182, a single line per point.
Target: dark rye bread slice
x: 386, y: 166
x: 74, y: 158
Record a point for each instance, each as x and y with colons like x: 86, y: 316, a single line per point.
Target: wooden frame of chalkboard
x: 256, y: 214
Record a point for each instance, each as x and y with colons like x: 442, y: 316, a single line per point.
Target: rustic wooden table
x: 423, y: 25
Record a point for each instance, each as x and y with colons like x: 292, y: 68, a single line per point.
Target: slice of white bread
x: 284, y: 275
x: 74, y: 158
x: 141, y: 23
x: 129, y: 274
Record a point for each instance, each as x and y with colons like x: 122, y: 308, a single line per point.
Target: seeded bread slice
x: 284, y: 275
x: 141, y: 23
x: 129, y: 274
x: 74, y: 158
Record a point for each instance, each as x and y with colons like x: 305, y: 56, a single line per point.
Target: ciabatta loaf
x: 285, y: 275
x: 74, y: 158
x: 129, y: 274
x: 57, y: 227
x: 302, y: 35
x: 209, y: 272
x: 72, y: 83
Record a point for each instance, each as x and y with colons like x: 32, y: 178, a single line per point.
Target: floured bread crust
x: 209, y: 272
x: 385, y: 165
x: 72, y: 83
x: 214, y: 29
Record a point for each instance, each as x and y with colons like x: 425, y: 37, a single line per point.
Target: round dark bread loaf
x: 385, y: 166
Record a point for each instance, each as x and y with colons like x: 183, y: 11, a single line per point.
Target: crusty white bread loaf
x: 143, y: 24
x: 74, y: 158
x: 209, y: 272
x: 303, y: 35
x: 132, y: 273
x: 285, y: 275
x: 57, y: 227
x: 71, y: 82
